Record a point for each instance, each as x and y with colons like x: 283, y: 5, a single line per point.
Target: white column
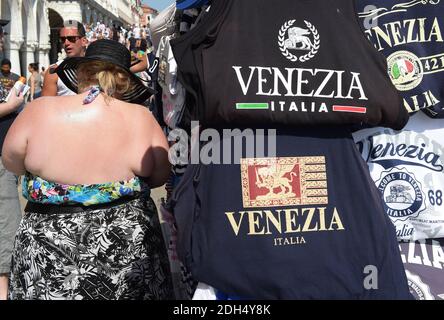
x: 43, y: 51
x: 29, y: 55
x: 44, y: 43
x: 14, y: 41
x: 114, y: 7
x: 87, y: 9
x: 31, y: 38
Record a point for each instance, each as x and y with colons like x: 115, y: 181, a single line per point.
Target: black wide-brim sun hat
x: 107, y: 51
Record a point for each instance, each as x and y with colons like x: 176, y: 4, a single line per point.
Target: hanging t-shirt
x: 408, y: 169
x: 304, y: 223
x: 424, y: 265
x: 407, y: 166
x: 292, y: 63
x: 410, y: 35
x: 163, y: 24
x: 173, y: 93
x: 307, y: 222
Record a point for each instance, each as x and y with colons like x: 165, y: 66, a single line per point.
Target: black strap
x: 44, y: 208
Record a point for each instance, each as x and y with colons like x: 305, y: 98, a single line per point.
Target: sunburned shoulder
x: 140, y: 110
x: 135, y: 106
x: 34, y: 106
x: 51, y: 100
x: 45, y: 105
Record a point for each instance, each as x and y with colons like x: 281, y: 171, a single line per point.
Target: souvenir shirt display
x: 410, y: 35
x: 308, y: 65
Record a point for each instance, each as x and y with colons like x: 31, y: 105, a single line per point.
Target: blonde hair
x: 113, y: 80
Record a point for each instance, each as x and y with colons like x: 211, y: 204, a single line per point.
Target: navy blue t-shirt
x: 424, y: 264
x: 305, y: 223
x: 411, y: 35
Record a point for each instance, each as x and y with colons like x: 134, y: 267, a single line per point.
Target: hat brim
x: 67, y: 72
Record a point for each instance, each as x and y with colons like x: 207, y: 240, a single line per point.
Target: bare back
x: 95, y: 143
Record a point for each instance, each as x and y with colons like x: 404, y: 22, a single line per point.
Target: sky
x: 158, y: 4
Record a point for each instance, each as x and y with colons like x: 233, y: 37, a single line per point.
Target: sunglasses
x: 71, y: 39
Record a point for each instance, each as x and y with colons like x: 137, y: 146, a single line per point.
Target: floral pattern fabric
x: 114, y: 253
x: 93, y: 93
x: 36, y: 189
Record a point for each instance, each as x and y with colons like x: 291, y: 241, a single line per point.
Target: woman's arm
x: 16, y: 141
x: 141, y: 66
x: 12, y: 104
x: 50, y: 83
x: 151, y: 151
x: 161, y: 164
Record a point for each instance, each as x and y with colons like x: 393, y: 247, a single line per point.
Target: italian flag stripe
x: 351, y: 109
x: 252, y: 106
x: 402, y: 67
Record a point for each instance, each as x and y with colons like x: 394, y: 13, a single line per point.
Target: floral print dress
x: 112, y: 253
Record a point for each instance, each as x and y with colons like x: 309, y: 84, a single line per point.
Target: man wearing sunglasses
x: 74, y: 42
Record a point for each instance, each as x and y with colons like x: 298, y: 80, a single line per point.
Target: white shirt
x: 408, y: 169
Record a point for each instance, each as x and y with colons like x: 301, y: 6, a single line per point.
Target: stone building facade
x: 32, y: 31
